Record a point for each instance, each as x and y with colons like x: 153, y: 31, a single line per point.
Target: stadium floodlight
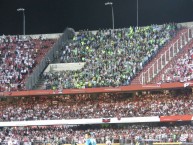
x: 137, y: 13
x: 22, y: 10
x: 111, y: 4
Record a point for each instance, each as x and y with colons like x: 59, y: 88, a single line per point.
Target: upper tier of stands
x: 18, y: 57
x: 95, y: 106
x: 111, y: 58
x: 143, y: 133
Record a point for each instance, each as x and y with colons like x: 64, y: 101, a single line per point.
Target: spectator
x: 18, y: 57
x: 112, y: 58
x: 88, y: 106
x: 130, y: 133
x: 181, y: 70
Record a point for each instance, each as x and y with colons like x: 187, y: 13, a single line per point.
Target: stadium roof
x: 48, y: 16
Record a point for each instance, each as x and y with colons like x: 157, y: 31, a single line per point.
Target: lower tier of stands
x: 89, y: 106
x: 117, y: 133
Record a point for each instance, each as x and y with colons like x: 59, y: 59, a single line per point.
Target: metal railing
x: 33, y: 78
x: 163, y: 60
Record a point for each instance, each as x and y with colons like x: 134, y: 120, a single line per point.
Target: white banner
x: 80, y: 121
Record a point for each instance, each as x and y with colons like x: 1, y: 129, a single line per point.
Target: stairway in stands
x: 41, y: 80
x: 137, y: 80
x: 39, y: 84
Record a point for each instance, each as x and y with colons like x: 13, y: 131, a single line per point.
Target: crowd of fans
x: 112, y: 58
x: 94, y: 106
x: 181, y: 69
x: 142, y: 133
x: 18, y: 56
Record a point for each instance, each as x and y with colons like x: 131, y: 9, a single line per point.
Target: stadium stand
x: 167, y: 53
x: 180, y: 69
x: 18, y: 57
x: 111, y: 58
x: 95, y: 106
x: 156, y: 70
x: 125, y: 134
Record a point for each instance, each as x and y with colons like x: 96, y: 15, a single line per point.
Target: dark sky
x: 53, y: 16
